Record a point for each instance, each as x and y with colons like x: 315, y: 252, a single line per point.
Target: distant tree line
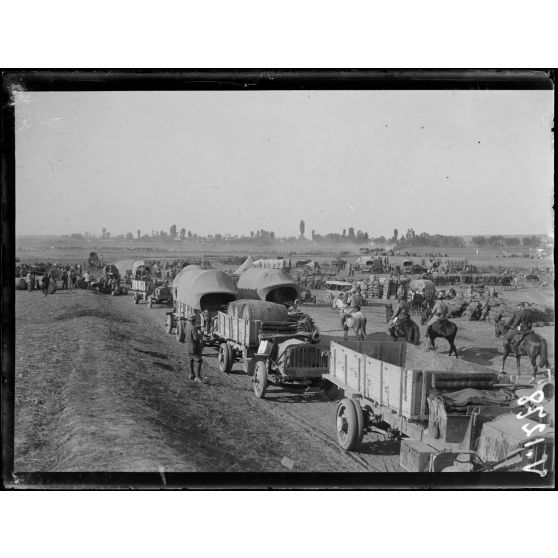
x: 497, y: 241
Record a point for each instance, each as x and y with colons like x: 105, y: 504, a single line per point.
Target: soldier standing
x: 193, y: 342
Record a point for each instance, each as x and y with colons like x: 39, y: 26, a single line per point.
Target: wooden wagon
x: 396, y: 388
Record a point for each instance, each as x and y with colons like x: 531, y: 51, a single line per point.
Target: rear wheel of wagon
x: 168, y: 324
x: 328, y: 298
x: 349, y: 427
x: 180, y: 333
x: 260, y: 379
x: 135, y: 298
x: 225, y: 358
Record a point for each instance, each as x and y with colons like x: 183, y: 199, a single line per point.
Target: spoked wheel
x: 180, y: 333
x: 168, y: 324
x: 135, y: 298
x: 328, y: 298
x: 260, y: 379
x: 350, y: 424
x: 150, y: 301
x: 225, y: 358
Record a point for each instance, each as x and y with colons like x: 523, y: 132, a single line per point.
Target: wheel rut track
x: 275, y: 409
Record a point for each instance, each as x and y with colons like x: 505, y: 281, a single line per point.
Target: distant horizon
x: 283, y: 237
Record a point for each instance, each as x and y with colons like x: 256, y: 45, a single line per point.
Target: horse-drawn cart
x: 272, y: 345
x: 439, y: 403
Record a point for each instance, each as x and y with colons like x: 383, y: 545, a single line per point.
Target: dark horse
x: 532, y: 346
x: 442, y: 328
x: 405, y: 328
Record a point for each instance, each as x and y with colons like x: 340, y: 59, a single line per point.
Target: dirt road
x: 100, y: 386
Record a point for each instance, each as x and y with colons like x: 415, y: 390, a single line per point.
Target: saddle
x: 516, y: 341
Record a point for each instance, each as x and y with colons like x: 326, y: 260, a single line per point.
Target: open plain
x: 100, y: 386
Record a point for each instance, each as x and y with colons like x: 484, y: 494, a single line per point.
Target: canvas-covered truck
x: 271, y: 285
x: 272, y: 345
x: 201, y: 293
x: 436, y: 404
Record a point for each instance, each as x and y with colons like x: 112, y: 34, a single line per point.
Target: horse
x: 442, y: 328
x: 532, y: 345
x: 356, y: 321
x: 416, y: 303
x: 405, y: 328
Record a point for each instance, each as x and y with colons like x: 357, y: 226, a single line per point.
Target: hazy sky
x: 449, y: 162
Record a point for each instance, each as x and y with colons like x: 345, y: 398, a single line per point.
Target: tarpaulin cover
x: 111, y: 268
x: 261, y: 282
x: 422, y: 285
x: 258, y: 310
x: 124, y: 265
x: 137, y: 265
x: 190, y: 286
x: 470, y: 396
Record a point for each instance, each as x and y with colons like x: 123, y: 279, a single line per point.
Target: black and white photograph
x: 280, y: 278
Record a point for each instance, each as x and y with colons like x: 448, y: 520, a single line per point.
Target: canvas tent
x: 248, y: 263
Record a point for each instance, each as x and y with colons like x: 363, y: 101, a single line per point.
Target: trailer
x: 272, y: 346
x: 402, y: 391
x: 200, y: 293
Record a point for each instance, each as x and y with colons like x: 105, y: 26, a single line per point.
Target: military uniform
x: 402, y: 312
x: 521, y: 324
x: 194, y: 348
x: 439, y: 312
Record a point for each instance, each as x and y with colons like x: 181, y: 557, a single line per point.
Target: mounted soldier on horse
x: 438, y: 324
x: 521, y: 340
x: 400, y: 323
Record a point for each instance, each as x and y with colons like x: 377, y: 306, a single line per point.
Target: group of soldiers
x: 520, y: 323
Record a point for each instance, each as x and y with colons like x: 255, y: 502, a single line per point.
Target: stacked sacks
x: 375, y: 289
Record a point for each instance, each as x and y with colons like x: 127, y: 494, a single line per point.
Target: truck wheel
x: 180, y: 333
x: 149, y: 302
x: 348, y: 424
x: 225, y: 358
x: 168, y: 324
x: 260, y: 379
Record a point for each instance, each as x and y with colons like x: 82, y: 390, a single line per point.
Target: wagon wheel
x: 180, y: 333
x: 150, y: 301
x: 350, y: 424
x: 136, y: 298
x: 260, y: 379
x: 225, y: 358
x: 168, y: 324
x: 328, y: 298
